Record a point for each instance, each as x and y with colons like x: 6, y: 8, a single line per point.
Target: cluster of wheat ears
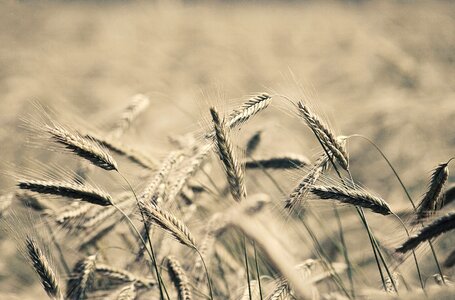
x: 233, y: 254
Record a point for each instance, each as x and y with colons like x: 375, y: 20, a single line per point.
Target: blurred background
x: 384, y: 69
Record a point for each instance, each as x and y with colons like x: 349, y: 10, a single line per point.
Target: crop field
x: 227, y: 150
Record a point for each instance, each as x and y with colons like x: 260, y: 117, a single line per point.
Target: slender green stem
x: 151, y: 252
x: 325, y: 260
x: 360, y: 213
x: 345, y: 251
x: 257, y: 270
x: 375, y: 251
x: 59, y: 250
x: 410, y: 200
x: 413, y: 253
x: 373, y: 239
x: 436, y: 260
x: 311, y: 233
x: 247, y: 268
x: 206, y: 273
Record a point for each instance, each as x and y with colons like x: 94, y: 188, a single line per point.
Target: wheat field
x: 227, y: 150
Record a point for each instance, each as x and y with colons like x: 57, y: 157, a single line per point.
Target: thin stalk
x: 410, y: 200
x: 211, y: 181
x: 247, y: 268
x: 266, y: 173
x: 337, y: 245
x: 362, y: 217
x: 206, y: 274
x: 325, y: 260
x: 345, y: 251
x: 373, y: 239
x: 257, y: 270
x: 311, y: 233
x: 151, y: 252
x: 59, y: 250
x: 375, y: 252
x: 413, y: 252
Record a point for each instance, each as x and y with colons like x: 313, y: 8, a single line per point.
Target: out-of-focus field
x: 384, y: 70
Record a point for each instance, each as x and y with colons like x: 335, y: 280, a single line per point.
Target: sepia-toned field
x: 167, y: 99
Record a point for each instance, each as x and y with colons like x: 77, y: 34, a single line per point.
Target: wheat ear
x: 82, y: 192
x: 433, y: 199
x: 169, y: 223
x: 73, y: 212
x: 104, y: 213
x: 42, y: 267
x: 434, y: 229
x: 128, y: 292
x: 207, y: 248
x: 81, y: 278
x: 33, y: 201
x: 160, y: 176
x: 120, y: 149
x: 352, y: 196
x: 450, y: 260
x: 286, y: 161
x: 187, y: 172
x: 325, y: 134
x: 250, y: 108
x: 179, y: 278
x: 253, y: 143
x: 390, y: 287
x: 237, y: 117
x: 280, y: 292
x: 233, y: 170
x: 299, y: 192
x: 123, y: 276
x: 5, y: 203
x: 137, y: 105
x: 83, y: 147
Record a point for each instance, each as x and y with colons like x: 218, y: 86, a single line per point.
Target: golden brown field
x: 95, y: 96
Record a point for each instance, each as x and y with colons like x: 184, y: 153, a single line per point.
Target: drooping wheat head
x: 42, y: 267
x: 232, y: 167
